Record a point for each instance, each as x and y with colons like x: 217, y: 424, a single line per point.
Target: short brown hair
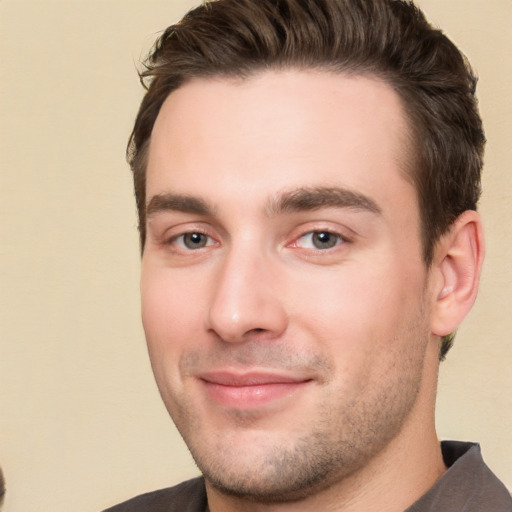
x: 389, y: 39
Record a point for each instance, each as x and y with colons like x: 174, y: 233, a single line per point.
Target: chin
x: 266, y: 490
x: 274, y: 474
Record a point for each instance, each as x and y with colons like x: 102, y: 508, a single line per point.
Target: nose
x: 247, y: 299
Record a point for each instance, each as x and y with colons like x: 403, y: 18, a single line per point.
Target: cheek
x: 170, y: 326
x: 350, y: 298
x: 357, y: 312
x: 168, y: 314
x: 366, y: 333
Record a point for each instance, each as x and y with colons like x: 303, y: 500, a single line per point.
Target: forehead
x: 275, y: 129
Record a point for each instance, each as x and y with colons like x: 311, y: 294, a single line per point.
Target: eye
x: 192, y: 241
x: 319, y: 240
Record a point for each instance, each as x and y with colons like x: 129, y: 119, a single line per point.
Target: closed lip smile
x: 248, y: 390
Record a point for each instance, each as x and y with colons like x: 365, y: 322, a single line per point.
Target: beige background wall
x: 81, y: 424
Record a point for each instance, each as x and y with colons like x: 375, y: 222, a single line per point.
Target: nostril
x: 258, y: 330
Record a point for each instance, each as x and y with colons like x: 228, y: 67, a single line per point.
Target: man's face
x: 284, y: 297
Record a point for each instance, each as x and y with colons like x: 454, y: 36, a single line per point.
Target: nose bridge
x: 245, y: 300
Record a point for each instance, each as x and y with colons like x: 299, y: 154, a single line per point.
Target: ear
x: 457, y: 265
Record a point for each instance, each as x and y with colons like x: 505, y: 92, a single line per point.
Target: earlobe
x: 457, y: 264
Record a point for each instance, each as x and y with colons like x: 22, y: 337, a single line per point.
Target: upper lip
x: 251, y: 378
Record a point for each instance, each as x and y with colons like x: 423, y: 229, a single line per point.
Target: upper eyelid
x: 337, y: 232
x: 344, y: 232
x: 173, y: 237
x: 183, y: 228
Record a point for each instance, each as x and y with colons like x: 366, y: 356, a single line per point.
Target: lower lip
x: 249, y: 397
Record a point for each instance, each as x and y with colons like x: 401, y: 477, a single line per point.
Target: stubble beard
x: 341, y: 441
x: 341, y: 444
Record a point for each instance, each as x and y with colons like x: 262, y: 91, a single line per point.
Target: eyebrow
x: 315, y: 198
x: 178, y: 202
x: 297, y: 200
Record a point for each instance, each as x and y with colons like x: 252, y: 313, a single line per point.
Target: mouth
x: 250, y: 390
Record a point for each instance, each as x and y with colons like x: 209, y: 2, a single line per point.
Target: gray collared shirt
x: 468, y: 485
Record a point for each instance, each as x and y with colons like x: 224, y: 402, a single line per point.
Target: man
x: 306, y: 175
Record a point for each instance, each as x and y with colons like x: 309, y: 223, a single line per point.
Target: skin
x: 288, y: 313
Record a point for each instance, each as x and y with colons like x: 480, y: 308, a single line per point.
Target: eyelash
x: 339, y: 239
x: 180, y: 241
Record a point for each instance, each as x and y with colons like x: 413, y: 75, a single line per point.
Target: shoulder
x: 189, y: 496
x: 468, y: 485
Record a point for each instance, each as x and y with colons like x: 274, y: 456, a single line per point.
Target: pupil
x: 324, y: 240
x: 194, y: 240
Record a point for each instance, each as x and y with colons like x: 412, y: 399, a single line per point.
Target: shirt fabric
x: 467, y: 486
